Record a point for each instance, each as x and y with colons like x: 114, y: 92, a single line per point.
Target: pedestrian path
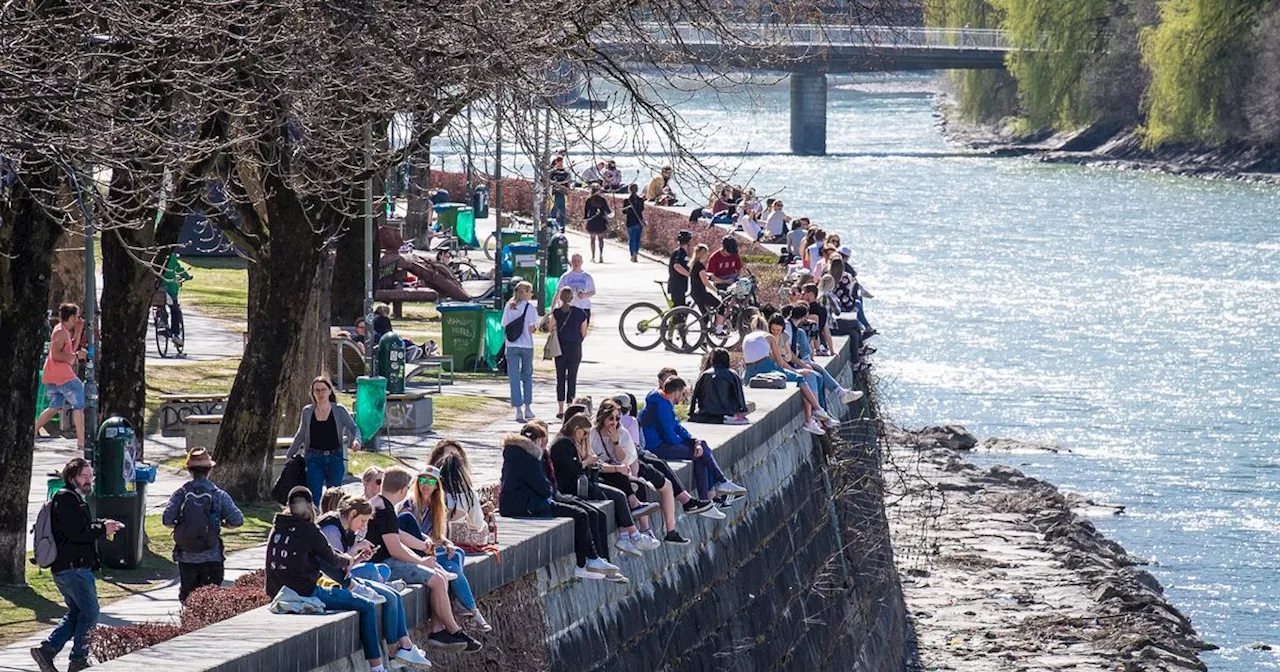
x: 206, y: 340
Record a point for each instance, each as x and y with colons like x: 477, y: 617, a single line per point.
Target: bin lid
x: 441, y: 207
x: 114, y: 426
x: 458, y: 307
x: 524, y: 248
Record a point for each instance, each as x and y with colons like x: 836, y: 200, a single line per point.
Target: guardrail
x: 782, y: 35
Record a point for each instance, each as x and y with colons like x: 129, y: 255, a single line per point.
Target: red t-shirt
x: 723, y: 265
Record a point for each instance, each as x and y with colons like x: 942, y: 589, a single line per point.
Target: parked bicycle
x: 686, y: 329
x: 642, y: 323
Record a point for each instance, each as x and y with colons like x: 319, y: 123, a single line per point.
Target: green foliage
x: 1055, y: 42
x: 983, y: 95
x: 1198, y: 55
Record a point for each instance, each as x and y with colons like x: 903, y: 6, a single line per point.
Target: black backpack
x: 194, y: 532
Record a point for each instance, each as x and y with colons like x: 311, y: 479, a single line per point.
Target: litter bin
x: 116, y: 494
x: 447, y: 216
x: 371, y: 406
x: 495, y: 336
x: 524, y: 264
x: 466, y: 227
x: 462, y: 327
x: 439, y: 196
x: 391, y: 361
x: 549, y: 287
x: 557, y: 256
x: 480, y: 201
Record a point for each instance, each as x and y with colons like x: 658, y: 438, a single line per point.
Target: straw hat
x: 199, y: 457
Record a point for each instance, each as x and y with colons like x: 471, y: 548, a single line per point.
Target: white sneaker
x: 360, y: 590
x: 627, y: 546
x: 446, y: 574
x: 736, y: 420
x: 617, y: 578
x: 646, y: 542
x: 477, y: 619
x: 850, y: 396
x: 821, y: 413
x: 398, y: 585
x: 730, y: 488
x: 603, y: 566
x: 714, y: 513
x: 814, y: 428
x: 528, y: 412
x: 587, y: 574
x: 519, y: 415
x: 414, y: 657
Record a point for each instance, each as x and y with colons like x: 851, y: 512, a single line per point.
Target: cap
x: 300, y: 491
x: 623, y: 400
x: 845, y: 251
x: 684, y: 236
x: 430, y: 470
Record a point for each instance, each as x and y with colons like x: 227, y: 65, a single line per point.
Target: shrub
x: 213, y: 604
x: 255, y: 579
x: 111, y: 642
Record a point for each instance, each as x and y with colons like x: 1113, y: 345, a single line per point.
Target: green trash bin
x: 116, y: 495
x: 391, y: 361
x: 524, y: 264
x: 462, y: 327
x: 495, y: 336
x: 371, y: 406
x: 549, y: 287
x: 465, y: 226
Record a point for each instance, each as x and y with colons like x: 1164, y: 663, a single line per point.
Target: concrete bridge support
x: 809, y: 114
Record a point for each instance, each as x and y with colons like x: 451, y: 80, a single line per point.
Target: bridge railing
x: 766, y: 34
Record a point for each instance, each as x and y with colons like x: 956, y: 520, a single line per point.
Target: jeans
x: 341, y: 599
x: 558, y: 208
x: 193, y: 575
x: 175, y: 317
x: 324, y: 470
x: 81, y: 595
x: 409, y: 572
x: 767, y: 365
x: 520, y: 375
x: 460, y: 587
x: 371, y: 571
x: 567, y: 370
x: 633, y: 239
x: 706, y: 472
x: 67, y: 395
x: 862, y: 318
x: 394, y: 623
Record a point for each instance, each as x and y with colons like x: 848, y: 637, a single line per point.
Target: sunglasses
x: 427, y: 480
x: 377, y: 481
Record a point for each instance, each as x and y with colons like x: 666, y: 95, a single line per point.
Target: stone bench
x: 201, y: 431
x: 175, y: 408
x: 408, y: 413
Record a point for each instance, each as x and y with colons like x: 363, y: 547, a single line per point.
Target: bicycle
x: 642, y: 323
x: 686, y: 329
x: 160, y: 324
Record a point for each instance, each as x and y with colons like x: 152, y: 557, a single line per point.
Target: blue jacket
x: 525, y: 488
x: 224, y: 510
x: 658, y: 422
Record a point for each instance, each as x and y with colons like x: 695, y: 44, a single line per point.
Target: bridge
x: 810, y: 52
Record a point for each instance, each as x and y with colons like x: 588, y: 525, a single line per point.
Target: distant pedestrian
x: 560, y: 182
x: 324, y: 432
x: 597, y: 213
x: 196, y: 512
x: 519, y: 320
x: 583, y: 285
x: 76, y: 533
x: 678, y: 269
x: 64, y: 388
x: 171, y: 279
x: 633, y: 208
x: 570, y: 325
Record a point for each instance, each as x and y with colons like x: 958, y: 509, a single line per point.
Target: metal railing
x: 784, y: 35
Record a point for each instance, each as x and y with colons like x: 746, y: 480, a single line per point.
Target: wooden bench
x: 348, y: 363
x: 397, y: 297
x: 174, y: 409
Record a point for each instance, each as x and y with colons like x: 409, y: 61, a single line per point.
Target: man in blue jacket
x: 668, y: 439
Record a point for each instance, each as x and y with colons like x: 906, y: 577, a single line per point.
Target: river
x: 1131, y: 317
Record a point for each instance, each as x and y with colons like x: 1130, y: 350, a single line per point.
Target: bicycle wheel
x: 182, y: 336
x: 490, y: 246
x: 641, y: 326
x: 684, y: 329
x: 162, y: 335
x: 730, y: 333
x: 464, y: 271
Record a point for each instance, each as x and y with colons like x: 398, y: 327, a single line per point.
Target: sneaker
x: 77, y: 665
x: 528, y: 412
x: 730, y: 488
x: 450, y: 641
x: 586, y: 574
x: 177, y: 340
x: 360, y: 590
x: 714, y: 513
x: 868, y: 351
x: 644, y: 509
x: 675, y: 538
x: 814, y: 428
x: 645, y: 542
x: 869, y: 333
x: 821, y: 413
x: 413, y: 657
x: 398, y: 585
x: 736, y: 420
x: 626, y: 545
x: 519, y: 415
x: 617, y: 578
x: 695, y: 506
x: 602, y: 566
x: 473, y: 645
x: 43, y: 658
x: 446, y: 574
x: 477, y: 619
x: 727, y: 501
x: 850, y: 396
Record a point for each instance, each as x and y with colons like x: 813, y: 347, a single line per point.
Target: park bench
x: 349, y: 364
x: 398, y: 297
x: 174, y: 409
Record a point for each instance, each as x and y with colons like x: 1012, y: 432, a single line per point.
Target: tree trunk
x: 67, y: 278
x: 27, y: 240
x: 347, y: 298
x: 308, y: 357
x: 280, y: 286
x: 418, y: 215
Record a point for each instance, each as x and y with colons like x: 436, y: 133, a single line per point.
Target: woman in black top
x: 571, y: 459
x: 700, y: 281
x: 570, y: 324
x: 323, y: 433
x: 634, y: 209
x: 597, y: 212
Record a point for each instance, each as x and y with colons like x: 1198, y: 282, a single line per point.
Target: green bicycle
x: 641, y: 324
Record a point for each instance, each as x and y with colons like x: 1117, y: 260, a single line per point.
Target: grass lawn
x: 219, y: 288
x: 37, y: 606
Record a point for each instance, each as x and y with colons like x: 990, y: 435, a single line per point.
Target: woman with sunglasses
x: 612, y: 444
x: 325, y: 430
x: 371, y: 481
x: 423, y: 515
x: 471, y: 524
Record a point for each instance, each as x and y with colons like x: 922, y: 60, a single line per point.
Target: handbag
x: 516, y: 327
x: 552, y: 349
x: 293, y: 475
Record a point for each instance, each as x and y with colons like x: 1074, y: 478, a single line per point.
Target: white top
x: 815, y: 255
x: 458, y: 510
x: 510, y: 315
x: 755, y: 347
x: 795, y: 241
x: 750, y: 226
x: 777, y: 223
x: 632, y: 426
x: 606, y: 451
x: 580, y: 281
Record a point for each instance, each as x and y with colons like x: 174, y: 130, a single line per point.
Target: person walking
x: 64, y: 388
x: 322, y: 436
x: 75, y: 533
x: 196, y: 513
x: 560, y: 180
x: 570, y: 325
x: 633, y: 208
x: 519, y: 320
x: 597, y: 213
x: 583, y: 285
x: 171, y: 279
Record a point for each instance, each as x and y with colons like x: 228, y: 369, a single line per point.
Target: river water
x: 1131, y: 317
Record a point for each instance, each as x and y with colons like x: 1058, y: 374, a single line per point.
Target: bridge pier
x: 809, y: 113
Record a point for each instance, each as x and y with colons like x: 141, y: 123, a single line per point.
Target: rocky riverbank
x: 1115, y: 147
x: 1001, y: 572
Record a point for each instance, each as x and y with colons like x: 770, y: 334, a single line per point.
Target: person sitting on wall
x: 717, y: 396
x: 665, y: 437
x: 802, y: 355
x: 764, y: 352
x: 613, y: 444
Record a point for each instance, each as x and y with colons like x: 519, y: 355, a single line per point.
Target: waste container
x: 439, y: 196
x: 549, y: 284
x: 391, y: 361
x: 371, y: 406
x: 447, y: 216
x: 557, y: 256
x: 480, y: 201
x: 465, y: 227
x: 495, y: 336
x: 524, y: 264
x: 116, y: 494
x: 462, y: 327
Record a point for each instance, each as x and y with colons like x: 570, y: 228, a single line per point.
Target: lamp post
x: 497, y: 202
x: 369, y: 243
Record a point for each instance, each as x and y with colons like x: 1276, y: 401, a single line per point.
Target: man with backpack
x: 66, y: 536
x: 196, y: 512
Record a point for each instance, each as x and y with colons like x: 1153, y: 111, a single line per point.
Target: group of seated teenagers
x: 761, y: 220
x: 820, y: 267
x: 359, y: 552
x: 614, y: 455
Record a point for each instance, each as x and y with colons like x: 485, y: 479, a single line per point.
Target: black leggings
x: 660, y: 465
x: 590, y: 527
x: 567, y: 370
x: 621, y: 510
